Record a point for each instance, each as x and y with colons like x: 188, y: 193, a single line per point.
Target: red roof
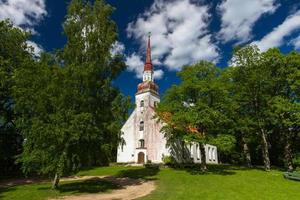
x: 148, y: 85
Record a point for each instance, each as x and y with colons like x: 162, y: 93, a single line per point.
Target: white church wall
x: 211, y: 154
x: 195, y: 153
x: 127, y: 151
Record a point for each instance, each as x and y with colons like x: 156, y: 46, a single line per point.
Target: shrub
x: 168, y: 160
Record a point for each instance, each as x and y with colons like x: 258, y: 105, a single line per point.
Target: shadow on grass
x: 123, y: 178
x: 140, y: 173
x: 93, y: 185
x: 4, y: 190
x: 212, y: 169
x: 220, y: 169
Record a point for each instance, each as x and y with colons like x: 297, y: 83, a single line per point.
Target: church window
x: 213, y: 154
x: 209, y: 153
x: 198, y: 151
x: 141, y: 125
x: 155, y: 104
x: 141, y: 143
x: 142, y: 103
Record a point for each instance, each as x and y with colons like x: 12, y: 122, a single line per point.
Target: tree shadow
x: 211, y: 169
x: 140, y: 173
x: 220, y: 169
x: 180, y: 152
x: 123, y: 178
x: 4, y: 190
x: 92, y: 185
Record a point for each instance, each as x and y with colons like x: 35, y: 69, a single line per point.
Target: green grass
x: 42, y: 191
x: 222, y: 182
x: 225, y: 183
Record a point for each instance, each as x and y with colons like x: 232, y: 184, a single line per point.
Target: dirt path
x: 129, y: 189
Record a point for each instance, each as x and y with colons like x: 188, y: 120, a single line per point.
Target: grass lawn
x: 222, y: 182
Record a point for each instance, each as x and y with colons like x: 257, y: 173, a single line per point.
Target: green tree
x: 193, y: 110
x: 253, y: 79
x: 284, y: 105
x: 70, y: 112
x: 241, y: 124
x: 13, y: 54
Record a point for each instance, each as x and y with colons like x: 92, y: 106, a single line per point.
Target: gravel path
x: 129, y: 189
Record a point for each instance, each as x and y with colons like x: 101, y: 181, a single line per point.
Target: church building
x: 143, y: 139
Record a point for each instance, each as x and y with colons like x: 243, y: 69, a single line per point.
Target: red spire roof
x: 148, y: 63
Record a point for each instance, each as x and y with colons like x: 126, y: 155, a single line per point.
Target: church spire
x: 148, y: 64
x: 148, y: 74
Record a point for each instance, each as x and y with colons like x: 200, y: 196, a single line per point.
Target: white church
x: 143, y: 139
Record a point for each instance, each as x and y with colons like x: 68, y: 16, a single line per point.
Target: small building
x: 143, y: 139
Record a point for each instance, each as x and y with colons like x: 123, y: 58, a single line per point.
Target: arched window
x: 214, y: 154
x: 141, y: 125
x: 209, y: 153
x: 141, y: 143
x: 142, y: 103
x: 198, y: 152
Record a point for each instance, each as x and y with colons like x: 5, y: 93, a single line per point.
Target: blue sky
x: 183, y: 31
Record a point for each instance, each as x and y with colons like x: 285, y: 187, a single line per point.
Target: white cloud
x: 23, y: 13
x: 179, y: 33
x: 34, y: 48
x: 276, y: 37
x: 296, y: 42
x: 117, y: 48
x: 136, y: 65
x: 158, y: 74
x: 239, y: 16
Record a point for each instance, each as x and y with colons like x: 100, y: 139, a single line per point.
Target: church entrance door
x: 141, y: 158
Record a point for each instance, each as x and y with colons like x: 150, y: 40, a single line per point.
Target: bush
x: 296, y: 160
x: 151, y: 166
x: 168, y: 160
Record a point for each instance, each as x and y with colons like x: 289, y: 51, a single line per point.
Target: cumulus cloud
x: 136, y: 65
x: 239, y: 16
x: 276, y: 37
x: 23, y: 13
x: 296, y: 42
x: 117, y: 48
x: 34, y: 48
x: 158, y: 74
x: 179, y: 30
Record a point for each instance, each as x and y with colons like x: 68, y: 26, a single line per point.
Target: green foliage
x: 169, y: 160
x: 69, y: 111
x: 13, y: 54
x: 253, y: 104
x: 196, y: 103
x: 226, y: 143
x: 195, y: 110
x: 296, y: 160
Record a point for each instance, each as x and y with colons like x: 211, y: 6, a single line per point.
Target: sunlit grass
x: 221, y: 182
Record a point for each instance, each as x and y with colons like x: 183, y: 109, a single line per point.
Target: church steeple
x: 148, y: 63
x: 148, y: 82
x: 148, y: 67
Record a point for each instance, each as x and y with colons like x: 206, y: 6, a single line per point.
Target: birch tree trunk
x: 203, y: 157
x: 265, y: 150
x: 288, y: 153
x: 246, y: 152
x: 55, y: 181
